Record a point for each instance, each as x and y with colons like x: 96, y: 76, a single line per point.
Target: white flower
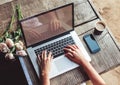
x: 4, y: 48
x: 21, y: 53
x: 18, y: 46
x: 21, y: 43
x: 9, y: 42
x: 9, y: 56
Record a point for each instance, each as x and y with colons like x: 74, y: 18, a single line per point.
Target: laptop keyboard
x: 57, y: 47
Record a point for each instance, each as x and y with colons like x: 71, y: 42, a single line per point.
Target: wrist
x: 45, y: 74
x: 85, y: 62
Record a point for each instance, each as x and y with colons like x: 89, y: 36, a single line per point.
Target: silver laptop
x: 52, y: 31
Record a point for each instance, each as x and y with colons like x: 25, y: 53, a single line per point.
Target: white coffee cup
x: 99, y: 27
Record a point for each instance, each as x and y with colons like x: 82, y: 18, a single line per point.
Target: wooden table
x: 85, y: 18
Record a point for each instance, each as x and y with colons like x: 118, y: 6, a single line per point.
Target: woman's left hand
x: 45, y: 60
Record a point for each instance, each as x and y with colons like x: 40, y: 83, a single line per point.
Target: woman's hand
x: 44, y: 61
x: 74, y: 54
x: 55, y: 24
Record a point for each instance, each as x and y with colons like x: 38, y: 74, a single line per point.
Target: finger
x: 76, y: 46
x: 39, y: 57
x: 69, y: 56
x: 67, y: 50
x: 51, y: 25
x: 71, y: 47
x: 39, y: 60
x: 51, y: 58
x: 55, y: 25
x: 42, y: 56
x: 60, y: 25
x: 49, y: 55
x: 45, y: 55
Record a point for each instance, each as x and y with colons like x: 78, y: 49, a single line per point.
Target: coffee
x: 99, y: 27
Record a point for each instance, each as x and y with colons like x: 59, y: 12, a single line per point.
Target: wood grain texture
x: 107, y: 58
x: 4, y: 1
x: 83, y: 13
x: 6, y: 11
x: 102, y: 61
x: 100, y: 17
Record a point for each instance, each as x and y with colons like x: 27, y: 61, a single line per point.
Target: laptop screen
x: 47, y: 25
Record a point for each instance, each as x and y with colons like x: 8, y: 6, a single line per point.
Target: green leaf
x: 12, y: 21
x: 1, y: 40
x: 8, y: 35
x: 12, y: 49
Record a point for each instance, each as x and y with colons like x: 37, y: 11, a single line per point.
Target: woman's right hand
x: 73, y: 53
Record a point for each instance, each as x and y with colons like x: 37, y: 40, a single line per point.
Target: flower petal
x: 21, y: 53
x: 9, y: 42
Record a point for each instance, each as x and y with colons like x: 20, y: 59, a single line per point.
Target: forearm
x: 45, y: 80
x: 93, y: 75
x: 51, y: 16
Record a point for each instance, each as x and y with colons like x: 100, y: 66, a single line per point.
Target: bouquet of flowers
x: 10, y: 42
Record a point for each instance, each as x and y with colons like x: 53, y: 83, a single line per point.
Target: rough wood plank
x: 99, y: 60
x: 82, y: 10
x: 4, y: 1
x: 76, y: 76
x: 100, y: 17
x: 108, y: 57
x: 85, y: 27
x: 89, y: 28
x: 5, y: 16
x: 30, y: 7
x: 83, y: 13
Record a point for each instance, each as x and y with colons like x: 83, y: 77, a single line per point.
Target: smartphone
x: 91, y: 43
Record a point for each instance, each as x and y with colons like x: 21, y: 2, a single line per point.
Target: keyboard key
x: 57, y: 47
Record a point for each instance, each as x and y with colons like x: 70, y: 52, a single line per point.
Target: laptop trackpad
x: 63, y: 64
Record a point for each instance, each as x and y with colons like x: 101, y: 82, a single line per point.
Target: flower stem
x: 19, y: 13
x: 19, y: 17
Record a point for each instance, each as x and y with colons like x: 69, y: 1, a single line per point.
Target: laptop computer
x: 52, y: 31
